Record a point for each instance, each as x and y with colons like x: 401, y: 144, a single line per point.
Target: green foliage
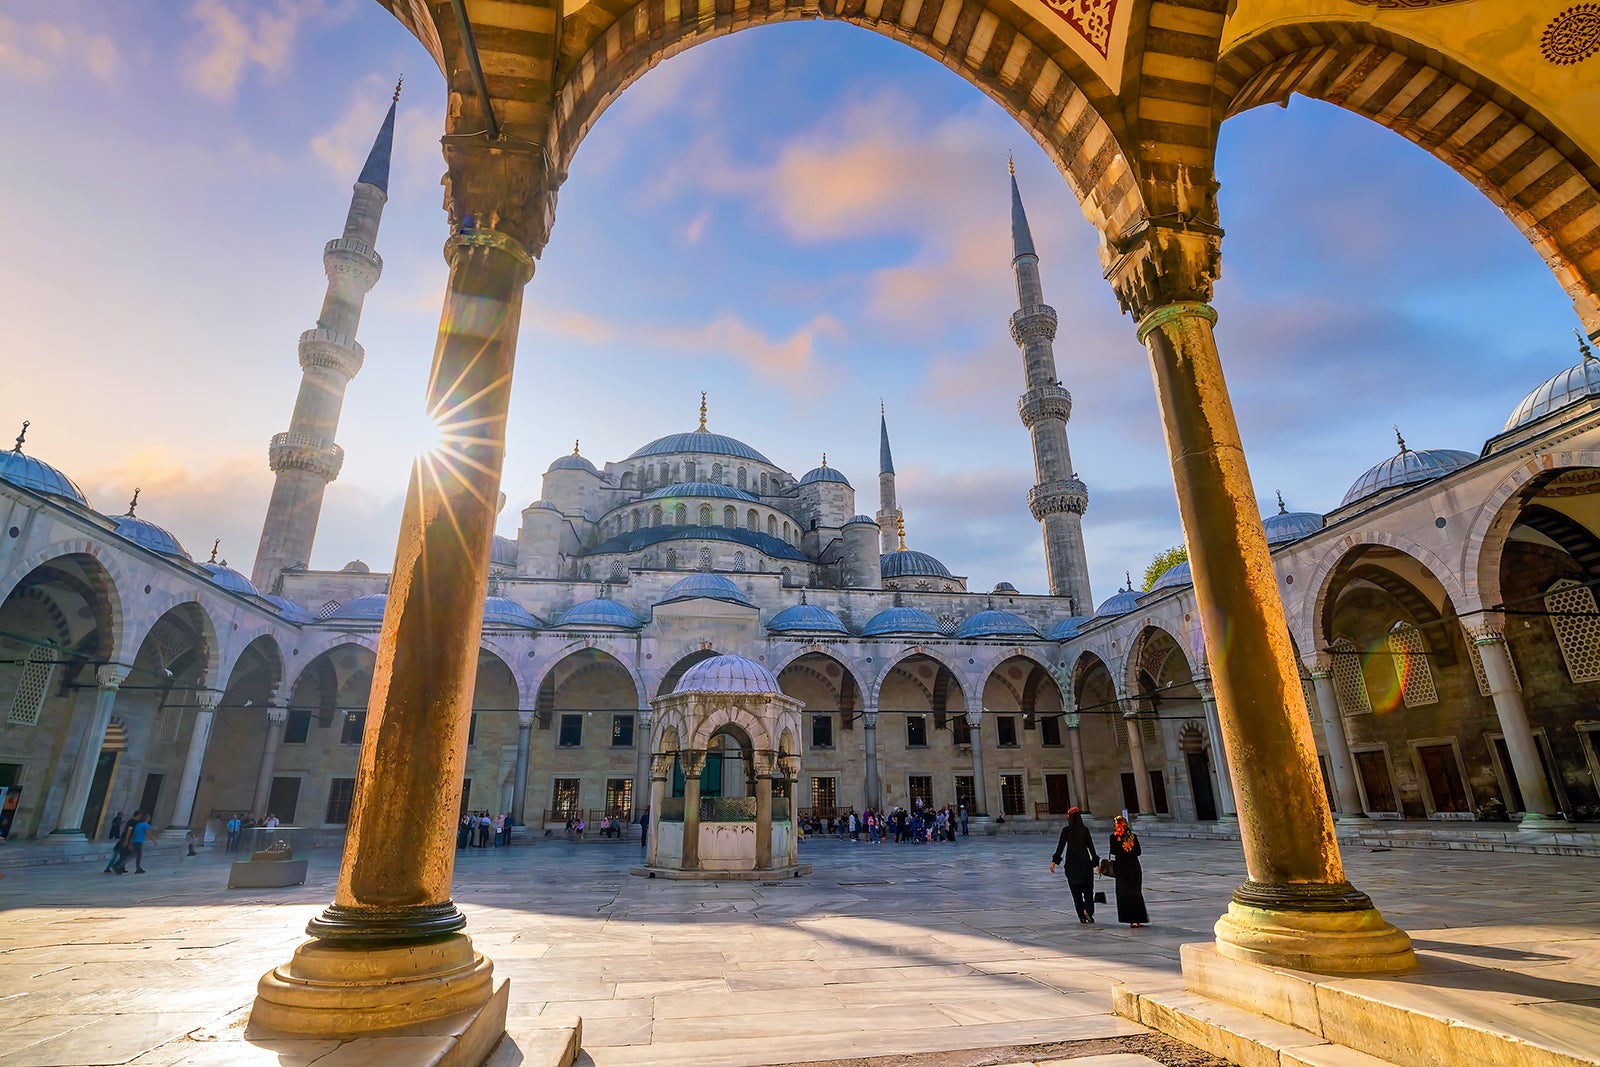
x: 1163, y: 562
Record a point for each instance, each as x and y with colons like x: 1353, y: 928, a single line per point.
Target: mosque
x: 135, y: 676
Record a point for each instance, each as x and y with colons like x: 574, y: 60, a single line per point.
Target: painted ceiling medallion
x: 1392, y: 4
x: 1091, y: 18
x: 1573, y: 35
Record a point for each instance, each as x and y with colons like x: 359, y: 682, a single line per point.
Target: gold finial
x: 824, y: 461
x: 398, y: 83
x: 214, y: 546
x: 574, y: 446
x: 1011, y: 164
x: 702, y: 409
x: 1281, y: 509
x: 1583, y: 346
x: 900, y: 521
x: 22, y: 436
x: 133, y: 503
x: 1402, y: 440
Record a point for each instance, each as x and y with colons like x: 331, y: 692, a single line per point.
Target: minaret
x: 1059, y: 497
x: 305, y: 459
x: 888, y: 509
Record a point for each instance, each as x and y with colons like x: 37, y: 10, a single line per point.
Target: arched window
x: 665, y: 473
x: 672, y: 559
x: 619, y: 572
x: 627, y: 480
x: 1572, y: 613
x: 585, y: 572
x: 1348, y: 681
x: 705, y: 514
x: 655, y: 515
x: 680, y: 515
x: 1410, y: 658
x: 688, y: 470
x: 772, y: 526
x: 763, y: 483
x: 730, y: 516
x: 743, y: 478
x: 785, y: 575
x: 716, y: 473
x: 635, y: 518
x: 705, y: 558
x: 786, y: 531
x: 738, y: 561
x: 752, y: 521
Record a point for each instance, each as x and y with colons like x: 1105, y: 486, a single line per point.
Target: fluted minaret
x: 888, y: 508
x: 305, y: 458
x: 1059, y: 498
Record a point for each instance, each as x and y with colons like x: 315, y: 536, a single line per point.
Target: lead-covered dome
x: 288, y: 610
x: 19, y: 468
x: 806, y: 619
x: 603, y: 613
x: 701, y: 441
x: 147, y: 534
x: 230, y: 579
x: 503, y: 611
x: 702, y: 489
x: 907, y: 563
x: 705, y: 586
x: 996, y: 623
x: 902, y: 621
x: 1119, y: 603
x: 1174, y: 577
x: 1407, y: 468
x: 1579, y: 382
x: 503, y: 551
x: 823, y: 473
x: 573, y: 462
x: 1066, y: 628
x: 1288, y: 525
x: 727, y: 674
x: 369, y: 608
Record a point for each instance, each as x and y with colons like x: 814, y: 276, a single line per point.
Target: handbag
x: 1108, y: 868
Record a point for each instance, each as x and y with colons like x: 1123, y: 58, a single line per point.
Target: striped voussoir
x: 1538, y: 177
x: 994, y: 46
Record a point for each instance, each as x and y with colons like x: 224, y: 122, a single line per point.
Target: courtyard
x: 883, y: 950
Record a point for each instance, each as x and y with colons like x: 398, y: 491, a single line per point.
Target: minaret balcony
x: 330, y: 350
x: 1036, y: 322
x: 1044, y: 402
x: 305, y: 452
x: 1059, y: 496
x: 350, y: 255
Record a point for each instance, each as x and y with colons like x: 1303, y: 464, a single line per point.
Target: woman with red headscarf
x: 1129, y: 875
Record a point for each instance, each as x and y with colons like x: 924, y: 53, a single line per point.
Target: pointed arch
x: 938, y: 656
x: 1486, y: 541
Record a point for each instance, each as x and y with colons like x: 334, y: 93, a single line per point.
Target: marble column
x: 194, y: 758
x: 874, y: 788
x: 519, y: 785
x: 660, y: 770
x: 1141, y: 773
x: 107, y: 680
x: 1079, y: 779
x: 389, y: 952
x: 764, y: 820
x: 641, y: 779
x: 693, y: 764
x: 980, y: 788
x: 276, y: 717
x: 1297, y: 908
x: 1339, y: 757
x: 1538, y: 805
x: 1226, y: 807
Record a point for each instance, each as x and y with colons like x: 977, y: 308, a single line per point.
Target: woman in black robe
x: 1129, y: 875
x: 1077, y: 845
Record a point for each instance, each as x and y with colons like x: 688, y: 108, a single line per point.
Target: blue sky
x: 799, y: 219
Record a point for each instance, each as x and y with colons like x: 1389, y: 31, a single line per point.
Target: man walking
x: 141, y: 831
x: 235, y: 824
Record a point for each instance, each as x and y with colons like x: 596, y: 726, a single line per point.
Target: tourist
x: 272, y: 821
x: 578, y: 825
x: 136, y: 839
x: 464, y: 831
x: 235, y: 824
x: 1129, y: 875
x: 122, y: 848
x: 644, y: 827
x: 116, y: 827
x: 1077, y: 845
x: 499, y: 830
x: 507, y: 821
x: 964, y: 821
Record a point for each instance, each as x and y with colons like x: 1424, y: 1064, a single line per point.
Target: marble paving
x: 884, y: 950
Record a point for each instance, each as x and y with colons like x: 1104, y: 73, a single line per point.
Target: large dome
x: 727, y: 674
x: 147, y: 534
x: 19, y: 468
x: 701, y: 441
x: 996, y: 623
x: 705, y: 586
x: 901, y: 621
x: 1576, y: 383
x: 806, y: 619
x: 1407, y: 468
x: 908, y: 564
x: 706, y: 489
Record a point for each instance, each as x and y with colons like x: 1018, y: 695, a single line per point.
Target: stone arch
x: 1314, y: 609
x: 1136, y: 656
x: 1084, y: 666
x: 104, y: 574
x: 207, y: 628
x: 493, y: 662
x: 910, y: 651
x: 1056, y: 99
x: 1486, y: 541
x: 1024, y: 695
x: 331, y: 643
x: 682, y: 662
x: 539, y: 680
x: 789, y: 659
x: 727, y: 719
x: 263, y: 646
x: 1514, y: 155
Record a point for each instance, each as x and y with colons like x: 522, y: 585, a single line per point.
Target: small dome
x: 1066, y: 628
x: 1174, y: 577
x: 1288, y: 525
x: 823, y: 474
x: 1004, y: 587
x: 1407, y: 468
x: 503, y: 552
x: 700, y: 441
x: 19, y: 468
x: 705, y: 489
x: 806, y: 618
x: 288, y: 610
x: 369, y: 607
x: 860, y: 518
x: 1119, y: 603
x: 147, y: 534
x: 355, y: 566
x: 572, y: 462
x: 996, y: 623
x: 705, y: 586
x: 503, y: 611
x: 543, y: 505
x: 230, y: 579
x: 1579, y: 382
x: 908, y: 564
x: 600, y: 613
x: 902, y: 621
x: 727, y: 674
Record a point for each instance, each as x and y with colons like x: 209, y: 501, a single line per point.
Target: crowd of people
x: 479, y: 829
x: 920, y: 824
x: 241, y: 823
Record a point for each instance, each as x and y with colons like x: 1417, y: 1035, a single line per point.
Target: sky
x: 801, y: 220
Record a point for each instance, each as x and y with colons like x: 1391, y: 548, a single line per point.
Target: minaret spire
x: 306, y: 458
x: 888, y: 508
x: 1059, y: 498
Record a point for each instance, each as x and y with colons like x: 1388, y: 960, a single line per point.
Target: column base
x: 330, y: 991
x: 78, y: 833
x: 1353, y: 940
x: 1351, y: 818
x: 1532, y: 821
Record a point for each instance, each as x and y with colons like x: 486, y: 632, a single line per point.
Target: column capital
x: 504, y: 188
x: 646, y: 716
x: 1165, y: 259
x: 525, y: 719
x: 975, y: 718
x: 110, y: 675
x: 1487, y: 629
x: 869, y: 719
x: 207, y: 701
x: 661, y: 766
x: 277, y: 716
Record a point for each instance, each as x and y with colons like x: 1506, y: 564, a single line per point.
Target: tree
x: 1163, y: 562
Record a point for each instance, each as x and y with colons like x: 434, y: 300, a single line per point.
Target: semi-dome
x: 910, y: 564
x: 902, y: 621
x: 701, y: 441
x: 727, y: 674
x: 230, y: 579
x: 147, y: 534
x: 1066, y: 628
x: 808, y: 619
x: 643, y: 538
x: 365, y: 608
x: 705, y: 586
x: 503, y: 611
x: 706, y: 489
x: 503, y: 551
x: 1119, y: 603
x: 288, y: 610
x: 19, y: 468
x: 1288, y: 525
x: 1174, y: 577
x: 1407, y: 468
x: 996, y: 623
x: 607, y: 613
x: 823, y: 473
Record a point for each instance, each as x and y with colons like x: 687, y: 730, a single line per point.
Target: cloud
x: 34, y: 51
x: 697, y: 227
x: 227, y: 44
